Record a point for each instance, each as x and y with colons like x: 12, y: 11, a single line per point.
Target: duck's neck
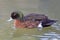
x: 17, y: 23
x: 20, y: 19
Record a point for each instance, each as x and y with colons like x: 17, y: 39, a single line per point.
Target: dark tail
x: 49, y: 23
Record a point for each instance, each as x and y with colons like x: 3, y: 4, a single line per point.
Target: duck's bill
x: 10, y: 19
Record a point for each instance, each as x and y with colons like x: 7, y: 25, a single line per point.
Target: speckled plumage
x: 31, y: 20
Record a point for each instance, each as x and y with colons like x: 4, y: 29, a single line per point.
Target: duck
x: 32, y: 20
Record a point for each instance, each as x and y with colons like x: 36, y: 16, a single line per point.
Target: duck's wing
x: 35, y: 17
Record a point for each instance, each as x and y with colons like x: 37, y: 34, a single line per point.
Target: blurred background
x: 51, y: 8
x: 47, y: 7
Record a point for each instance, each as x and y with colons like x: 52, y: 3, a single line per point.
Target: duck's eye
x: 14, y: 15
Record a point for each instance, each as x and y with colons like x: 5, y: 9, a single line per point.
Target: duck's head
x: 17, y: 19
x: 15, y: 15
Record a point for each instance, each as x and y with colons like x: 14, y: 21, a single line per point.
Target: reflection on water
x: 51, y: 36
x: 56, y: 26
x: 47, y: 36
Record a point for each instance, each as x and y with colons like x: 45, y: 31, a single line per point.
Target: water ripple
x: 47, y: 36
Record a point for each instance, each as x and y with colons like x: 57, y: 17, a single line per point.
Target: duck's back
x: 34, y: 17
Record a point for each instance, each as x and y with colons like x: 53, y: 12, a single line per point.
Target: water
x: 56, y: 26
x: 50, y: 8
x: 7, y: 33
